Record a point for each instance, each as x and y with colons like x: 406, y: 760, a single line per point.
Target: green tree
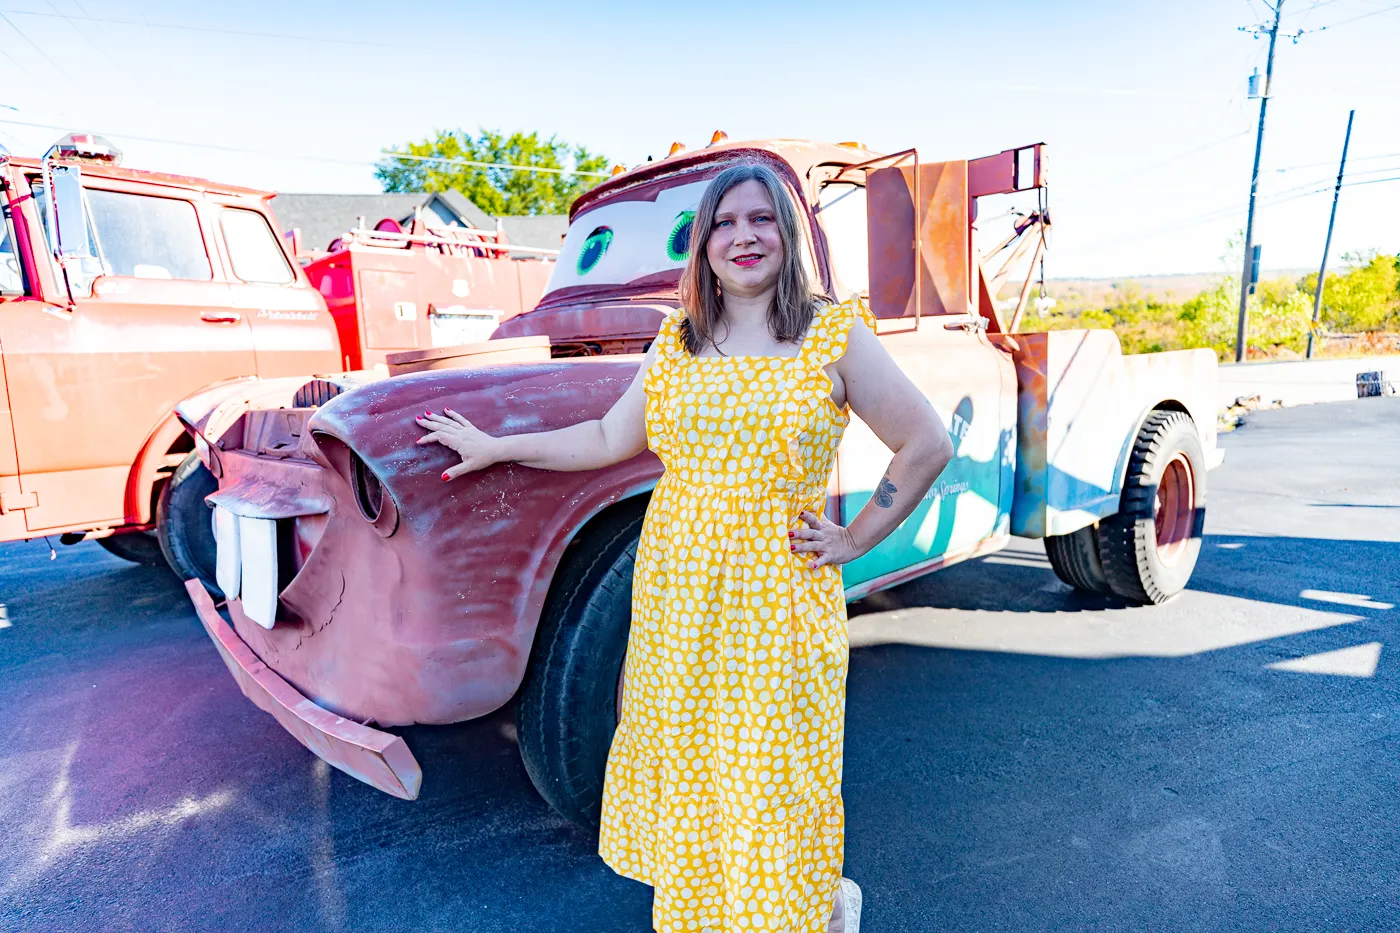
x: 1366, y: 297
x: 497, y: 191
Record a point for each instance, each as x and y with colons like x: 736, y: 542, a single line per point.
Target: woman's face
x: 745, y: 247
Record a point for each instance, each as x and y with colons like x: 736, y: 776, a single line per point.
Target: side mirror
x: 65, y: 191
x: 73, y: 248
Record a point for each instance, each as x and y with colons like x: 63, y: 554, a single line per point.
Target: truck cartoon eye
x: 678, y: 243
x: 593, y: 249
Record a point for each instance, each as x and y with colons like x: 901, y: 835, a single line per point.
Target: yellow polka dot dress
x: 723, y: 786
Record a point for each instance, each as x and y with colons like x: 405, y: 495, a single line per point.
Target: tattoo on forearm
x: 884, y: 492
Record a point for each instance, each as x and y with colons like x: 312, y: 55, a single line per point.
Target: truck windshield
x: 639, y: 235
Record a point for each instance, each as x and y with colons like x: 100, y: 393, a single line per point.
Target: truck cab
x: 121, y: 293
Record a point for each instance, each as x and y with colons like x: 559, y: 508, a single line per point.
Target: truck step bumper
x: 379, y: 759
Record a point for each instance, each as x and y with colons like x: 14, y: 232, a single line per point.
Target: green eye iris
x: 593, y: 249
x: 678, y: 243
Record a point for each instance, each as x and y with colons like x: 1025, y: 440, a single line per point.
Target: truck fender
x: 430, y: 615
x: 163, y: 441
x: 1080, y: 405
x: 1125, y: 452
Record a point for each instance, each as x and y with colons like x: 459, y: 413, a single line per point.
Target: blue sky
x: 1143, y: 104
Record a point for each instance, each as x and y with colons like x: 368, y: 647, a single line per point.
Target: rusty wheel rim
x: 1174, y: 512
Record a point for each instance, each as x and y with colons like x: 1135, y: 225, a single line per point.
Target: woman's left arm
x: 878, y: 391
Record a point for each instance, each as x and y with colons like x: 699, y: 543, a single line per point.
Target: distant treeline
x: 1363, y: 300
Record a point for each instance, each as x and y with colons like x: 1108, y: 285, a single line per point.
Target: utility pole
x: 1242, y: 333
x: 1327, y: 247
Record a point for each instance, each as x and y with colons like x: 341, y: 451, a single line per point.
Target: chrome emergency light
x: 88, y: 147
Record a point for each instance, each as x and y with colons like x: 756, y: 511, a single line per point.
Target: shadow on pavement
x: 1110, y: 781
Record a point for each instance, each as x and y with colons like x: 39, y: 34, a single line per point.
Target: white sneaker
x: 848, y: 898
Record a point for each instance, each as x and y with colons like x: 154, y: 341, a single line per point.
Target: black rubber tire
x: 1128, y: 540
x: 139, y: 547
x: 567, y: 711
x: 1075, y: 559
x: 185, y: 526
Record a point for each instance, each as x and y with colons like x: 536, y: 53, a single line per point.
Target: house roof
x: 540, y: 231
x: 464, y: 208
x: 322, y: 218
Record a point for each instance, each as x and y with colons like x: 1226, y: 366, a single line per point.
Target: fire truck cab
x: 121, y: 293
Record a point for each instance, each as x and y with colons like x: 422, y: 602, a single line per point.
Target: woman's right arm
x: 589, y: 445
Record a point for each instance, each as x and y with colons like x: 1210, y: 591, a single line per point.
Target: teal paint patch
x: 928, y: 531
x: 678, y: 242
x: 594, y: 247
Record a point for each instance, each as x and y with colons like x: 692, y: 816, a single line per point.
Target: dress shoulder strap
x: 668, y: 348
x: 831, y: 326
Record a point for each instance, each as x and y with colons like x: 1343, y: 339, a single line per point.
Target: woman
x: 723, y: 788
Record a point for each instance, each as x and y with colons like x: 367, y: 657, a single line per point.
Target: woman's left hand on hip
x: 827, y: 542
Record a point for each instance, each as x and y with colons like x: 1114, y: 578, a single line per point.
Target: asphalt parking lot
x: 1019, y: 757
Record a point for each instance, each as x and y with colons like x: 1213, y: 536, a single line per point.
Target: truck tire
x: 139, y: 547
x: 184, y: 524
x: 1075, y: 559
x: 1150, y: 547
x: 569, y: 702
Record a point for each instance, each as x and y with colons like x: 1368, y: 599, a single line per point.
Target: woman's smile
x: 744, y: 247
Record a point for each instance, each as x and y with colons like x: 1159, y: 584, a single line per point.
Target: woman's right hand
x: 477, y: 449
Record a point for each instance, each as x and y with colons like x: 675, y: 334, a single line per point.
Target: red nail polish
x: 792, y: 547
x: 789, y: 534
x: 445, y: 477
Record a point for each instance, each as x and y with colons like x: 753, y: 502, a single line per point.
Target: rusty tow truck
x: 364, y: 593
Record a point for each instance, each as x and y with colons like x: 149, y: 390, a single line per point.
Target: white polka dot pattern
x: 723, y: 787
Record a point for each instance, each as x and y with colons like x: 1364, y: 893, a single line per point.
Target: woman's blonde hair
x: 794, y: 304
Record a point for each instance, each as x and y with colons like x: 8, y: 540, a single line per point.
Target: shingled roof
x: 322, y: 218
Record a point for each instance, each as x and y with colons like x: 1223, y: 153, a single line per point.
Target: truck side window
x: 253, y: 248
x: 11, y: 272
x: 841, y: 211
x: 148, y: 237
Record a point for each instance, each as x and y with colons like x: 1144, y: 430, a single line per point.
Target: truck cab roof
x: 183, y: 182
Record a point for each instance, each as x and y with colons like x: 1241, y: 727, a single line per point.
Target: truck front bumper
x: 378, y: 758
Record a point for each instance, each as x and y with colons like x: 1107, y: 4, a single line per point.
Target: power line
x: 1315, y: 5
x: 1370, y: 158
x: 1355, y: 18
x: 1180, y: 155
x: 310, y: 158
x: 521, y: 168
x: 205, y: 29
x: 1282, y: 197
x: 31, y: 42
x: 1372, y: 181
x: 214, y: 146
x: 86, y: 38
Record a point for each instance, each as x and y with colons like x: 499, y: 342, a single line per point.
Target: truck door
x: 945, y: 352
x: 11, y: 287
x: 90, y: 378
x: 293, y: 333
x: 966, y: 379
